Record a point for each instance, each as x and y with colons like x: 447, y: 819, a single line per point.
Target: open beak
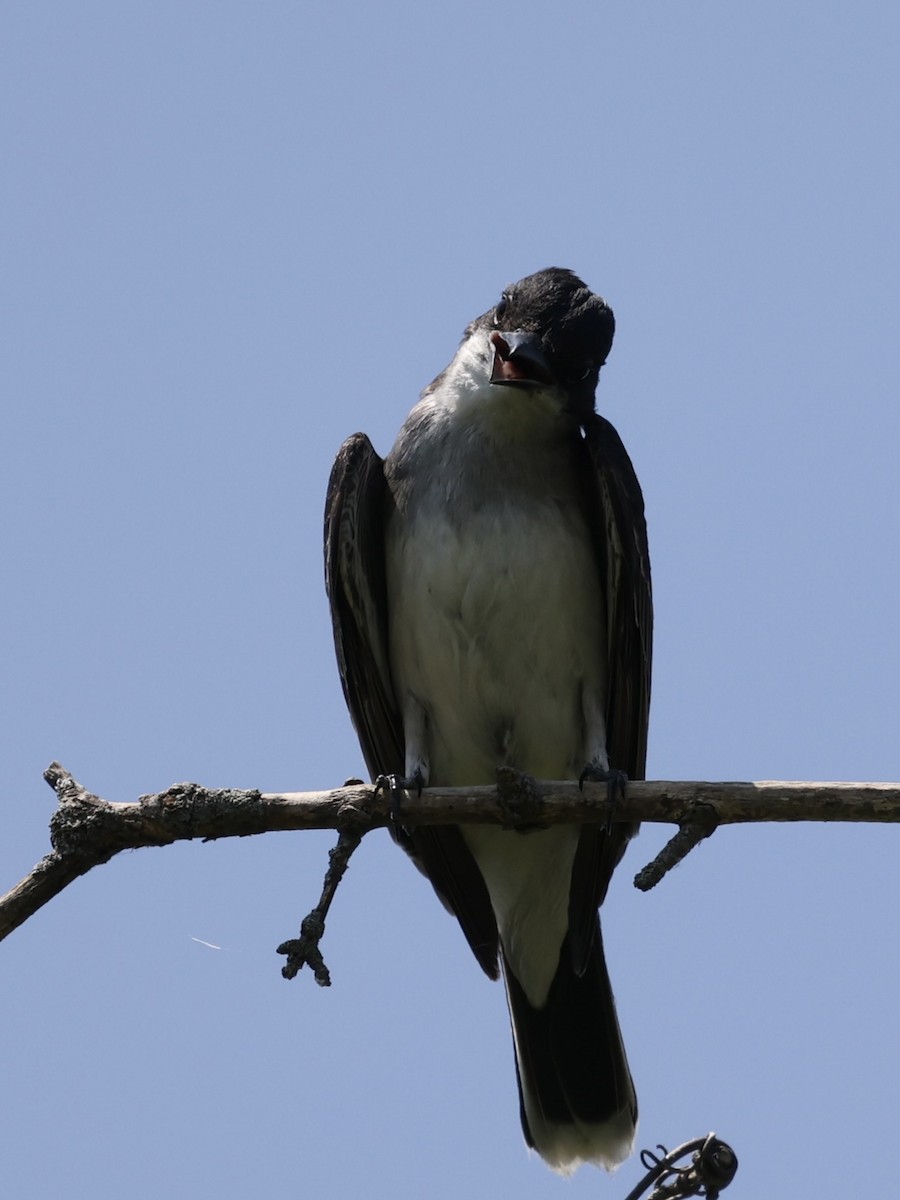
x: 519, y: 360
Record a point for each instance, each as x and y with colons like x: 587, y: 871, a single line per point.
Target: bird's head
x: 546, y: 334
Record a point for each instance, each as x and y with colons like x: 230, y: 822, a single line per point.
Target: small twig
x: 304, y: 950
x: 713, y: 1166
x: 699, y: 822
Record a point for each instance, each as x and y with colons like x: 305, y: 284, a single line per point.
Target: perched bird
x: 489, y: 585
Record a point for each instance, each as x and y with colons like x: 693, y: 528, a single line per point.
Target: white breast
x: 495, y: 627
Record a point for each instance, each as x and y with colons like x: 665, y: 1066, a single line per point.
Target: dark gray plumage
x: 490, y: 593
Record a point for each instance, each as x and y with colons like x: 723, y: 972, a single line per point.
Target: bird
x: 490, y: 594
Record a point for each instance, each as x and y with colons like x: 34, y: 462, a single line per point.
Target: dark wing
x: 356, y: 512
x: 621, y: 534
x: 616, y: 511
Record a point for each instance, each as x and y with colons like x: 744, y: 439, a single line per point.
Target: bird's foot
x: 615, y: 781
x: 395, y: 786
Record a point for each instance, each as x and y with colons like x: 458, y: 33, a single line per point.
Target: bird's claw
x: 395, y: 786
x: 615, y: 781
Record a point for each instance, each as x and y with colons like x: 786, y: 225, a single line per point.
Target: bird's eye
x: 501, y: 308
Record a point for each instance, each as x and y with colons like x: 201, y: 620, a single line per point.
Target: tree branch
x: 86, y: 831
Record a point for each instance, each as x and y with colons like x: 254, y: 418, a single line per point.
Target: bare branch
x: 86, y: 831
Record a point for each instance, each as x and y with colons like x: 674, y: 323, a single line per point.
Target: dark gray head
x: 549, y: 329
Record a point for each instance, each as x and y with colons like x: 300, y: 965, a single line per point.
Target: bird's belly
x: 496, y: 632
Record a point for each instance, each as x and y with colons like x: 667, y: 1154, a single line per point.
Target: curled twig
x: 712, y: 1167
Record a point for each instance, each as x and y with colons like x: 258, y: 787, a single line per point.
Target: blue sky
x: 234, y: 234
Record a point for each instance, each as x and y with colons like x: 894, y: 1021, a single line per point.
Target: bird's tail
x: 576, y: 1097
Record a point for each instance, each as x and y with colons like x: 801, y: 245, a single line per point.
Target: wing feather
x: 613, y: 499
x: 355, y: 513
